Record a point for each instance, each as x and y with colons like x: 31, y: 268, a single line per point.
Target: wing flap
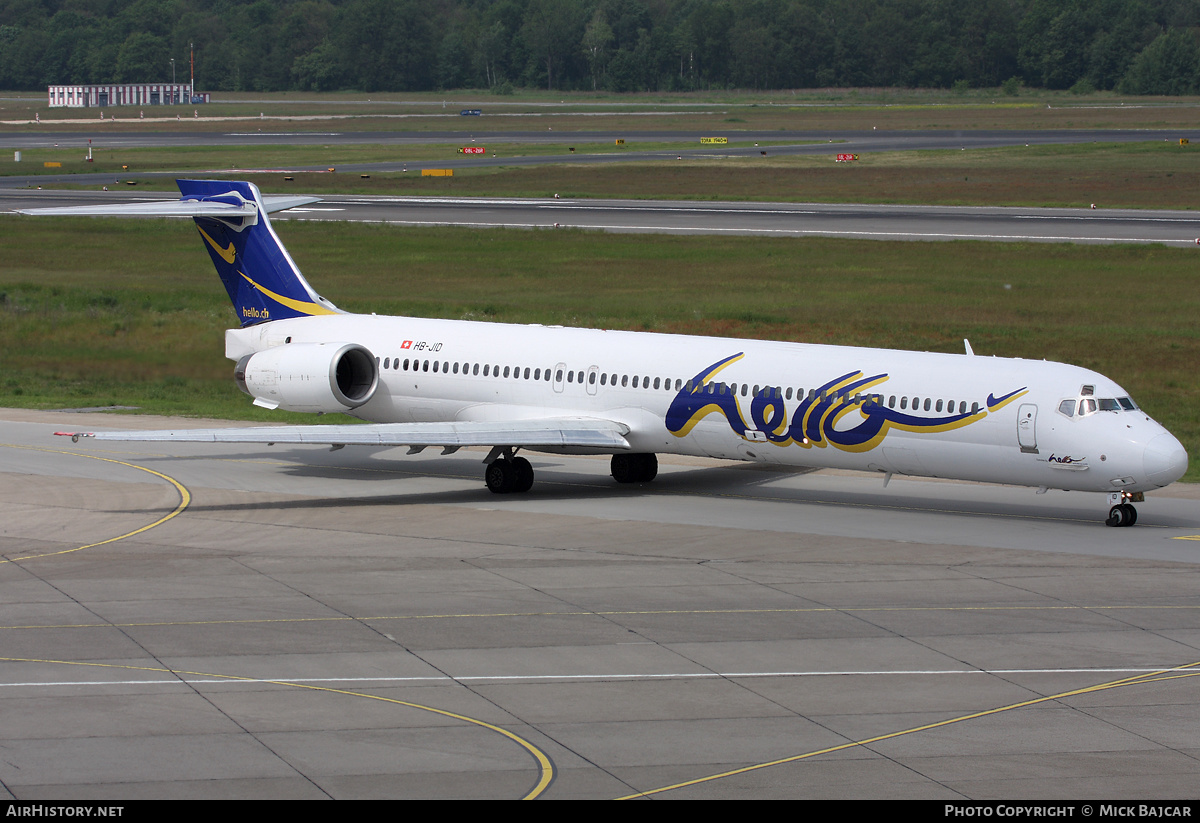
x: 558, y: 432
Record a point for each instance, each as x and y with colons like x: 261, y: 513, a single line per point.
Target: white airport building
x: 124, y: 94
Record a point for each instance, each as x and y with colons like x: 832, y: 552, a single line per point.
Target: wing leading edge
x: 570, y: 432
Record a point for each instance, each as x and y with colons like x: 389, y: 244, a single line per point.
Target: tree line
x: 1132, y: 46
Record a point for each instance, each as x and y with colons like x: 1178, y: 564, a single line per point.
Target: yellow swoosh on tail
x: 306, y: 307
x: 226, y: 254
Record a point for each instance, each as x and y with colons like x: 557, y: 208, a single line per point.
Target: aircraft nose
x: 1165, y: 459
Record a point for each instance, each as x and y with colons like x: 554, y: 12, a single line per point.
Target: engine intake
x: 309, y: 377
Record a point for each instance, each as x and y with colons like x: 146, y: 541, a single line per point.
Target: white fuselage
x: 937, y: 415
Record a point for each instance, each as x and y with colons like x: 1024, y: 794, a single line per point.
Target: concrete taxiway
x: 217, y: 621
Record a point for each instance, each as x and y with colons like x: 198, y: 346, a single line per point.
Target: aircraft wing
x: 174, y: 208
x: 542, y: 432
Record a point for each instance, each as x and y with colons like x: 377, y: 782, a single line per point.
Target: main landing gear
x: 634, y: 468
x: 508, y: 474
x: 1123, y: 513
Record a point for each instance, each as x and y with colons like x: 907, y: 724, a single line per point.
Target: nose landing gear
x: 1121, y: 515
x: 1122, y: 512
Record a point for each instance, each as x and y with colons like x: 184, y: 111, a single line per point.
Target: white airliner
x: 451, y: 383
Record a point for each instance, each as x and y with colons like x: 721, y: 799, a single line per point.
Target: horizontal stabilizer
x: 549, y: 432
x: 276, y: 203
x: 175, y: 208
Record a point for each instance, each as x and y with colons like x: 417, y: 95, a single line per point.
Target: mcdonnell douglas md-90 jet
x: 453, y: 383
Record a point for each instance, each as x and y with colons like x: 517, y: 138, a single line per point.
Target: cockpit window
x: 1088, y: 391
x: 1090, y: 405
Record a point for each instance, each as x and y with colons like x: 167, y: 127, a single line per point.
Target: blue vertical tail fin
x: 260, y: 276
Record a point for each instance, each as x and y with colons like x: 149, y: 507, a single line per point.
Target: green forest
x: 1130, y: 46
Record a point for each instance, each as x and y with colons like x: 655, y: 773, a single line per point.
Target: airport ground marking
x: 575, y: 678
x: 545, y: 766
x: 1156, y: 676
x: 615, y: 613
x: 185, y: 498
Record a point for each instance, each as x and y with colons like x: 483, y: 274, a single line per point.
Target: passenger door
x: 1027, y: 428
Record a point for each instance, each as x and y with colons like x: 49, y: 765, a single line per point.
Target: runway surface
x: 864, y: 222
x: 292, y: 622
x: 867, y: 222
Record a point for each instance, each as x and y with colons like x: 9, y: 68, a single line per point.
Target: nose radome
x: 1165, y: 459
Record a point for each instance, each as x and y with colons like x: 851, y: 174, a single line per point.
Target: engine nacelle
x: 309, y: 377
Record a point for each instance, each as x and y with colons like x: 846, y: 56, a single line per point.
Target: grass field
x: 1153, y: 174
x: 1159, y: 174
x: 131, y: 313
x: 218, y: 159
x: 1132, y: 175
